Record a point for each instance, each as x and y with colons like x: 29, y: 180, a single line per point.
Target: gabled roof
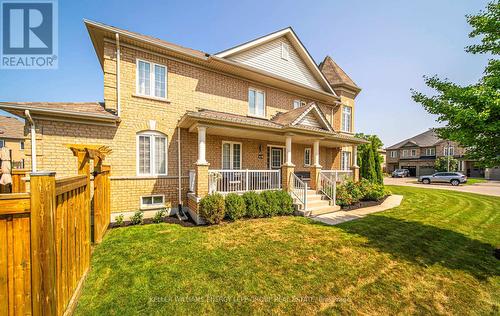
x: 296, y: 116
x: 11, y: 127
x: 336, y: 76
x: 425, y: 139
x: 296, y: 43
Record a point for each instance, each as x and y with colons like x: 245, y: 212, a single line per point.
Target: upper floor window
x: 430, y: 151
x: 2, y: 143
x: 307, y: 157
x: 346, y: 118
x: 413, y: 152
x: 394, y: 154
x: 345, y: 162
x: 231, y: 155
x: 151, y: 79
x: 256, y: 102
x: 298, y: 103
x: 21, y: 145
x: 449, y: 151
x: 151, y: 154
x: 285, y: 51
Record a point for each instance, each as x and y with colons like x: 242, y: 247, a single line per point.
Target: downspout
x: 33, y: 140
x: 118, y: 105
x: 180, y: 213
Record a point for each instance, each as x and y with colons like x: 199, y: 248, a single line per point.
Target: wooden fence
x: 44, y: 244
x: 102, y: 202
x: 18, y: 182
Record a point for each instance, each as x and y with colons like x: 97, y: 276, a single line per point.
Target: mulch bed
x: 362, y: 204
x: 168, y: 220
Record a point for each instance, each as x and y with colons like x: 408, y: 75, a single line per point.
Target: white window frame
x: 405, y: 153
x: 430, y: 151
x: 151, y: 79
x: 264, y: 101
x: 346, y: 127
x: 231, y: 155
x: 461, y: 165
x: 2, y: 143
x: 152, y: 205
x: 413, y: 152
x: 394, y: 154
x: 296, y: 103
x: 307, y: 164
x: 449, y: 150
x: 285, y: 51
x: 152, y: 156
x: 345, y: 163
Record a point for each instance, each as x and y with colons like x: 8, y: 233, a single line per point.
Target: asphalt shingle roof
x: 11, y: 127
x: 425, y: 139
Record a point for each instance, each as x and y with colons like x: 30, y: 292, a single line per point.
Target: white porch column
x: 202, y: 135
x: 316, y: 153
x: 355, y: 156
x: 288, y: 150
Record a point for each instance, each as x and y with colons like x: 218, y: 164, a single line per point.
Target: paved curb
x: 345, y: 216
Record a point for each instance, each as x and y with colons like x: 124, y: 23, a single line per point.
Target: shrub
x: 158, y: 218
x: 119, y: 220
x: 235, y: 206
x: 212, y: 208
x: 137, y: 218
x: 285, y: 202
x: 255, y: 204
x: 375, y: 192
x: 354, y: 189
x: 344, y: 197
x: 271, y: 203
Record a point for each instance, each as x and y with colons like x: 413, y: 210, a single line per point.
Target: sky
x: 386, y: 47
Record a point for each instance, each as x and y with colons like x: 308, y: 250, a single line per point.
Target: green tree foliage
x: 441, y: 164
x: 379, y: 177
x: 369, y: 159
x: 472, y: 112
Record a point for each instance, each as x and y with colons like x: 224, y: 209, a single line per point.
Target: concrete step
x: 317, y: 203
x: 315, y: 211
x: 316, y: 197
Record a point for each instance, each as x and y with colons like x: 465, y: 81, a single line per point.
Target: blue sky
x: 385, y: 46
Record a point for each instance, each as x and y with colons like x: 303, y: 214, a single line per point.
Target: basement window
x: 152, y: 201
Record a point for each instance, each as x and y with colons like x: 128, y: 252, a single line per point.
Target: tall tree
x: 472, y: 112
x: 379, y: 177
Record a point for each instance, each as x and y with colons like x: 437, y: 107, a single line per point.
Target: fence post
x: 305, y: 196
x: 84, y: 168
x: 246, y: 181
x: 43, y: 248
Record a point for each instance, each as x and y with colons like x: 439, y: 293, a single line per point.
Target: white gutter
x: 33, y: 140
x: 118, y: 107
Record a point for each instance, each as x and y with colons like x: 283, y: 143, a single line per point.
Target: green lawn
x: 433, y: 254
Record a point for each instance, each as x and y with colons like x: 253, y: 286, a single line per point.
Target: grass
x: 431, y: 255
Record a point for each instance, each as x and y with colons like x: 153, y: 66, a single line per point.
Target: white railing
x: 299, y: 190
x: 226, y: 181
x: 328, y: 186
x: 338, y: 175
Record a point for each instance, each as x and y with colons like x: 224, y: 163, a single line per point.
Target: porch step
x: 317, y: 204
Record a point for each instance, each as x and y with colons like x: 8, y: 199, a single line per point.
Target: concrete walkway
x: 487, y: 188
x: 345, y: 216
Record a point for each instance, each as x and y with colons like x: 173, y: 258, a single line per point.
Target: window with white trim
x: 285, y: 51
x: 151, y: 154
x: 231, y: 155
x: 449, y: 150
x: 413, y: 153
x: 256, y: 102
x: 151, y: 201
x: 345, y: 162
x: 298, y: 103
x: 307, y: 157
x: 394, y: 154
x: 430, y: 151
x: 461, y: 165
x: 151, y: 79
x: 21, y: 145
x: 2, y: 143
x: 346, y: 118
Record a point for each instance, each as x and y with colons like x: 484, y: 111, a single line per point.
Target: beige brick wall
x: 15, y: 146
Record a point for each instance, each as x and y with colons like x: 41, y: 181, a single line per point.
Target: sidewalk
x: 345, y: 216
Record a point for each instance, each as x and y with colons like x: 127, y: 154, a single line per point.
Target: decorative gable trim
x: 296, y: 43
x: 316, y: 112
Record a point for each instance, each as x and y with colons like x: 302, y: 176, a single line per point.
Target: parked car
x: 401, y: 173
x: 455, y: 178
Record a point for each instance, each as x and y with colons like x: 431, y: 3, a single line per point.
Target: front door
x: 276, y: 158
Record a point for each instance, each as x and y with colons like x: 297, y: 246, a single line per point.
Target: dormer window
x: 285, y: 51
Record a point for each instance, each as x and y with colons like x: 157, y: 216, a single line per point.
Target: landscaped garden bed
x: 354, y: 195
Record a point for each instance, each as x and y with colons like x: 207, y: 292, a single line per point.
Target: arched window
x: 151, y: 153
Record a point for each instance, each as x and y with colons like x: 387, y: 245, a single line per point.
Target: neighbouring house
x: 12, y: 137
x: 182, y: 123
x: 383, y: 154
x: 418, y: 154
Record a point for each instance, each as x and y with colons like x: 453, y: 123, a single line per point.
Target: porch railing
x: 328, y: 180
x: 338, y: 175
x: 227, y: 181
x: 299, y: 190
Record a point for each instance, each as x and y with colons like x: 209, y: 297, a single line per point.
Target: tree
x: 369, y: 159
x: 379, y: 177
x: 368, y: 167
x: 472, y: 113
x: 441, y: 164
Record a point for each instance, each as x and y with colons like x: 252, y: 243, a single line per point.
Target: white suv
x: 455, y: 178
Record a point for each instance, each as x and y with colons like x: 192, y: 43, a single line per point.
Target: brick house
x: 418, y: 154
x: 12, y: 137
x: 182, y: 123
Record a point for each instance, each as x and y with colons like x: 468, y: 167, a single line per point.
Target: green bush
x: 158, y: 218
x: 137, y: 218
x: 235, y: 206
x: 375, y: 192
x: 343, y: 197
x: 354, y: 189
x: 255, y: 204
x: 272, y: 203
x: 285, y: 202
x: 119, y: 220
x: 212, y: 208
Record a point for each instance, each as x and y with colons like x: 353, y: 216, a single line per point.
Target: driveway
x: 487, y: 188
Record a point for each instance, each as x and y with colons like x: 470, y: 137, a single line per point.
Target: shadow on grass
x: 426, y: 245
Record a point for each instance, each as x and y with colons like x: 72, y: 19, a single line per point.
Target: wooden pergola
x: 86, y: 152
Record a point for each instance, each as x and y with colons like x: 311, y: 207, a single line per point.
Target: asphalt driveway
x: 487, y: 188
